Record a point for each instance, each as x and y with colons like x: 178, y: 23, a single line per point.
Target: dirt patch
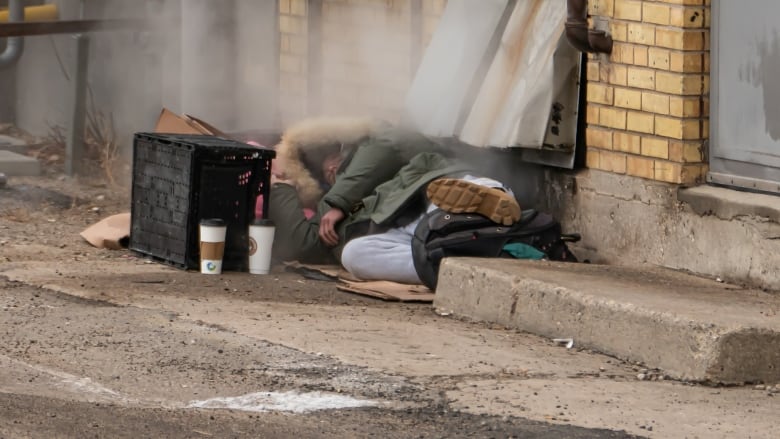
x: 37, y: 207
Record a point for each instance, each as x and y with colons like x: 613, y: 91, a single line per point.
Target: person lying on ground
x: 374, y: 239
x: 362, y: 152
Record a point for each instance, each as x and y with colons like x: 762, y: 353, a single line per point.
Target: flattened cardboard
x: 205, y: 126
x: 171, y: 123
x: 111, y: 233
x: 384, y: 290
x: 390, y: 291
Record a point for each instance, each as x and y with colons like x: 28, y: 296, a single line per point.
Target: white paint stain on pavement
x: 59, y: 378
x: 287, y: 402
x: 86, y: 385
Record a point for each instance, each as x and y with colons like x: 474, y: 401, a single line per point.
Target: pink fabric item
x: 259, y: 207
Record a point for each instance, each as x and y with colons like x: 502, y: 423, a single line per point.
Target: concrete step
x: 8, y: 143
x: 13, y: 164
x: 691, y: 328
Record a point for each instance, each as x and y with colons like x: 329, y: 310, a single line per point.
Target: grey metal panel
x: 745, y: 117
x: 755, y: 184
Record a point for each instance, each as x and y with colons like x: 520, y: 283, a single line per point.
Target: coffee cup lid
x: 263, y: 222
x: 212, y: 222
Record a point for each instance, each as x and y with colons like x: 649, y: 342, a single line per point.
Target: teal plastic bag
x: 518, y: 250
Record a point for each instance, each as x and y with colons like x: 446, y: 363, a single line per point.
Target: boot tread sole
x: 461, y: 196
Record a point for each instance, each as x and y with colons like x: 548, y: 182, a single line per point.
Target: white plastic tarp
x: 439, y: 92
x: 532, y: 70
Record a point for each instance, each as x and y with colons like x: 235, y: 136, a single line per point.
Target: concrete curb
x: 12, y: 164
x: 692, y: 328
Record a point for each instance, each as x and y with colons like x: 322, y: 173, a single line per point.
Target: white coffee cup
x: 261, y: 240
x: 212, y: 245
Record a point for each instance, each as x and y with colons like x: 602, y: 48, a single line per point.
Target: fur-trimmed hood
x: 305, y: 145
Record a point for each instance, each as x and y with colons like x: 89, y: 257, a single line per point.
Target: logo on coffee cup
x: 252, y: 246
x: 210, y: 266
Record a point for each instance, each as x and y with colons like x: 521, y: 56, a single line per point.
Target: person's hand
x: 328, y: 224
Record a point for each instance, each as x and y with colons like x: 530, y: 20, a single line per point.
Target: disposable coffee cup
x: 261, y: 241
x: 212, y: 245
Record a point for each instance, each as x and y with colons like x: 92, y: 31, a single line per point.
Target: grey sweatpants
x: 388, y: 255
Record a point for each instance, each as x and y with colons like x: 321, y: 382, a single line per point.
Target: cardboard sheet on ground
x: 112, y: 233
x: 390, y: 291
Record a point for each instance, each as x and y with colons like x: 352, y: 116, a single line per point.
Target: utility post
x: 75, y: 148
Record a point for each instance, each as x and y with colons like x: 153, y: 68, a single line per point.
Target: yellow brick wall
x: 367, y: 56
x: 292, y: 59
x: 648, y: 102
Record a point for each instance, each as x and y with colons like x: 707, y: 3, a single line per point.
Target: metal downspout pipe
x: 578, y: 33
x: 15, y: 47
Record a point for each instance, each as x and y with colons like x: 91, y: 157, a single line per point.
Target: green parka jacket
x: 392, y: 203
x: 373, y: 162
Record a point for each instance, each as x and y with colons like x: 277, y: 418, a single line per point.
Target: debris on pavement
x: 390, y: 291
x: 568, y: 342
x: 315, y: 272
x: 3, y: 180
x: 650, y: 374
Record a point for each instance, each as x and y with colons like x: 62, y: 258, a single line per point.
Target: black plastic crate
x: 179, y: 180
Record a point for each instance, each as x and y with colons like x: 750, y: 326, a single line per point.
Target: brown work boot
x: 461, y: 196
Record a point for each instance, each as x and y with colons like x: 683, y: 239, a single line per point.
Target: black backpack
x: 443, y: 234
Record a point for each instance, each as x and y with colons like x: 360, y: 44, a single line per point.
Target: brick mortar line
x: 630, y: 87
x: 649, y: 157
x: 663, y: 26
x: 655, y: 69
x: 683, y: 118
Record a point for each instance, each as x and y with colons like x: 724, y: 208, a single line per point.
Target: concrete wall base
x: 710, y: 231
